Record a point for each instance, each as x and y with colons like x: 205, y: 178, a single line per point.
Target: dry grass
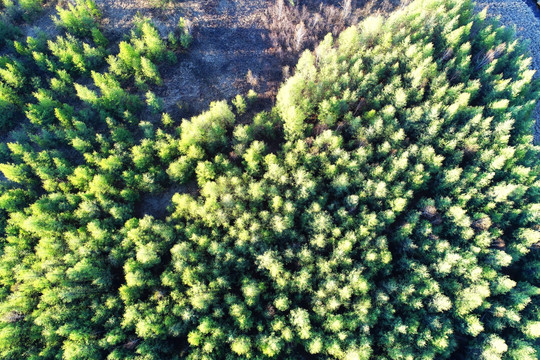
x: 295, y: 28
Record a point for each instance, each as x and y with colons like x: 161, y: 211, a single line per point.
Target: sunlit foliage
x: 387, y: 206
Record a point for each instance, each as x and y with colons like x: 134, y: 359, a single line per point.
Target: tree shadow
x: 216, y: 67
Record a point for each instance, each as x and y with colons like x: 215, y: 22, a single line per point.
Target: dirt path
x: 525, y: 18
x: 229, y: 41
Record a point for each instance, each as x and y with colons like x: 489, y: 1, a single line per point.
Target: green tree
x: 80, y: 18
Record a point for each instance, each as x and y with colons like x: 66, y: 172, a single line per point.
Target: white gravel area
x: 521, y: 15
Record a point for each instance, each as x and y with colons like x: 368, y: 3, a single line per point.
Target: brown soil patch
x: 43, y: 22
x: 229, y: 41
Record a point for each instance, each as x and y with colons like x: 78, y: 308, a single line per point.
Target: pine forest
x: 383, y: 203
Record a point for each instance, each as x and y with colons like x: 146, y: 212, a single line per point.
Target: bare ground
x: 156, y: 205
x: 229, y: 41
x: 43, y: 22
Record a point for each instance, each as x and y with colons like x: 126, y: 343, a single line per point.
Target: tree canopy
x: 387, y: 206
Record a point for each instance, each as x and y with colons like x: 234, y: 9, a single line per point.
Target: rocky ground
x: 525, y: 17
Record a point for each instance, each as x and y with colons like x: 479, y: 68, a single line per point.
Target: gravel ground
x: 522, y: 15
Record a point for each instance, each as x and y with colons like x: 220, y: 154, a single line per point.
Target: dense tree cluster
x: 79, y: 18
x: 387, y: 207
